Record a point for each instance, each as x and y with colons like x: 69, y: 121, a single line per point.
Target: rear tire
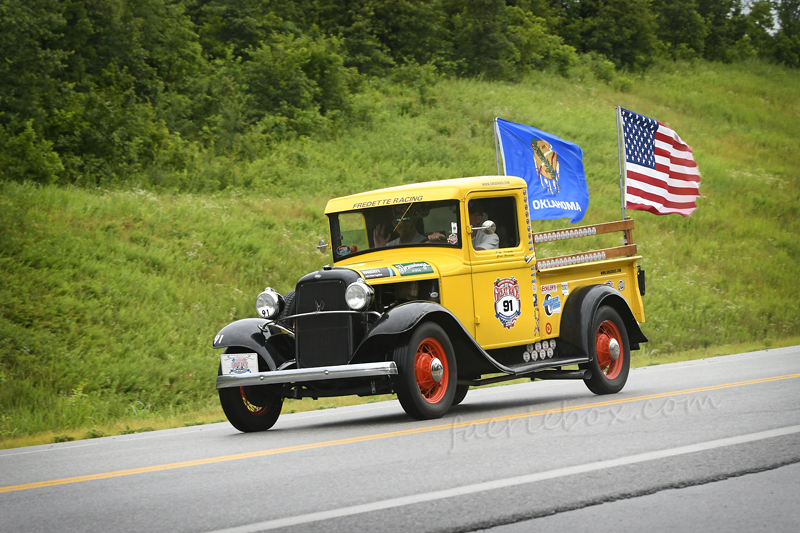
x: 610, y: 338
x: 426, y: 379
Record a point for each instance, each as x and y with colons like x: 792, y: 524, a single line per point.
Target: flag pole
x: 496, y: 147
x: 621, y: 157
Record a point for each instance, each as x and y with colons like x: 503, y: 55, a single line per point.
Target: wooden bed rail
x: 626, y: 250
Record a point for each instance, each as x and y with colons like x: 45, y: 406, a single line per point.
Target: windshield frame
x: 440, y: 220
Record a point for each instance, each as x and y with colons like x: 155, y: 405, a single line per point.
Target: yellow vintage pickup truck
x: 435, y: 288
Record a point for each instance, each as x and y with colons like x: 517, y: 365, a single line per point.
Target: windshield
x: 413, y: 224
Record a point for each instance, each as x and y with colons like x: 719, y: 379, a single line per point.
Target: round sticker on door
x: 506, y: 301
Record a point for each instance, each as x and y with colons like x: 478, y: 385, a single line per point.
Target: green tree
x: 31, y: 61
x: 622, y: 30
x: 531, y: 37
x: 760, y: 28
x: 724, y: 21
x: 409, y: 30
x: 378, y: 34
x: 299, y: 83
x: 787, y: 39
x: 680, y: 27
x: 788, y: 13
x: 625, y: 32
x: 233, y: 26
x: 81, y: 82
x: 26, y: 157
x: 122, y: 57
x: 478, y: 31
x: 543, y: 9
x: 169, y: 39
x: 357, y: 25
x: 29, y: 84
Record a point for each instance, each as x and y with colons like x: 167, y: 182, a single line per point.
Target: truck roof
x: 430, y: 191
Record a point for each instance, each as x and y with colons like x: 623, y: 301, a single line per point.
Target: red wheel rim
x: 431, y: 390
x: 255, y: 410
x: 605, y: 333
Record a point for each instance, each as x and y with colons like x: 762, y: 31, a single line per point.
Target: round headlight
x: 269, y: 303
x: 358, y: 295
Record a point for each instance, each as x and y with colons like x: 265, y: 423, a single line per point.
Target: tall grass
x: 109, y: 299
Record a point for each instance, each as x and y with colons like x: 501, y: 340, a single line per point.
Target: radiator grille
x: 324, y: 338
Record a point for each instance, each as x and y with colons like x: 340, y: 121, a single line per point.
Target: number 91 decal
x: 506, y: 301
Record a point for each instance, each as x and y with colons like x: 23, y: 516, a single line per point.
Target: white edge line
x: 505, y: 483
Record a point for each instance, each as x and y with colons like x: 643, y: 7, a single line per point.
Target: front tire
x: 461, y: 393
x: 426, y: 379
x: 611, y: 356
x: 250, y: 409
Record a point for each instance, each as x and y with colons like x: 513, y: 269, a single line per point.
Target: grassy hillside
x: 109, y: 299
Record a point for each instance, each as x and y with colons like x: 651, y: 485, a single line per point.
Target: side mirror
x: 322, y: 246
x: 488, y: 227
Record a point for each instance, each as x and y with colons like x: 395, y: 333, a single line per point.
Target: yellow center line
x: 378, y: 436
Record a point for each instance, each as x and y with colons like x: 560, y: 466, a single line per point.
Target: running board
x: 542, y: 374
x: 557, y: 374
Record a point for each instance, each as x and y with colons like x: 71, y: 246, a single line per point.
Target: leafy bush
x: 532, y: 39
x: 298, y: 84
x: 26, y: 157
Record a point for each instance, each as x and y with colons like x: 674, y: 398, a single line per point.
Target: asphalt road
x: 707, y: 445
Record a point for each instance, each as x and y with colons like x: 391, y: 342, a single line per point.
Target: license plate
x: 239, y: 363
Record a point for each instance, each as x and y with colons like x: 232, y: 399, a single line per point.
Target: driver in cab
x: 406, y: 227
x: 480, y: 240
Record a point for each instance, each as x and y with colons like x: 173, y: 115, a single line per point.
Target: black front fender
x: 578, y: 314
x: 246, y: 333
x: 404, y: 317
x: 388, y: 332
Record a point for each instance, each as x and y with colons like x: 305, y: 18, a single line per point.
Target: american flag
x: 660, y: 174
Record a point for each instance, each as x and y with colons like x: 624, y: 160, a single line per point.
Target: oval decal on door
x: 507, y: 306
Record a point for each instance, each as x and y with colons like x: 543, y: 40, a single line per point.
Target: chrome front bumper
x: 361, y: 370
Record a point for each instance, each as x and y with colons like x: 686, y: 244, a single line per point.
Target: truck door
x: 502, y: 280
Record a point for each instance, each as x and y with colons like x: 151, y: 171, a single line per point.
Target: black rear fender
x: 578, y: 314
